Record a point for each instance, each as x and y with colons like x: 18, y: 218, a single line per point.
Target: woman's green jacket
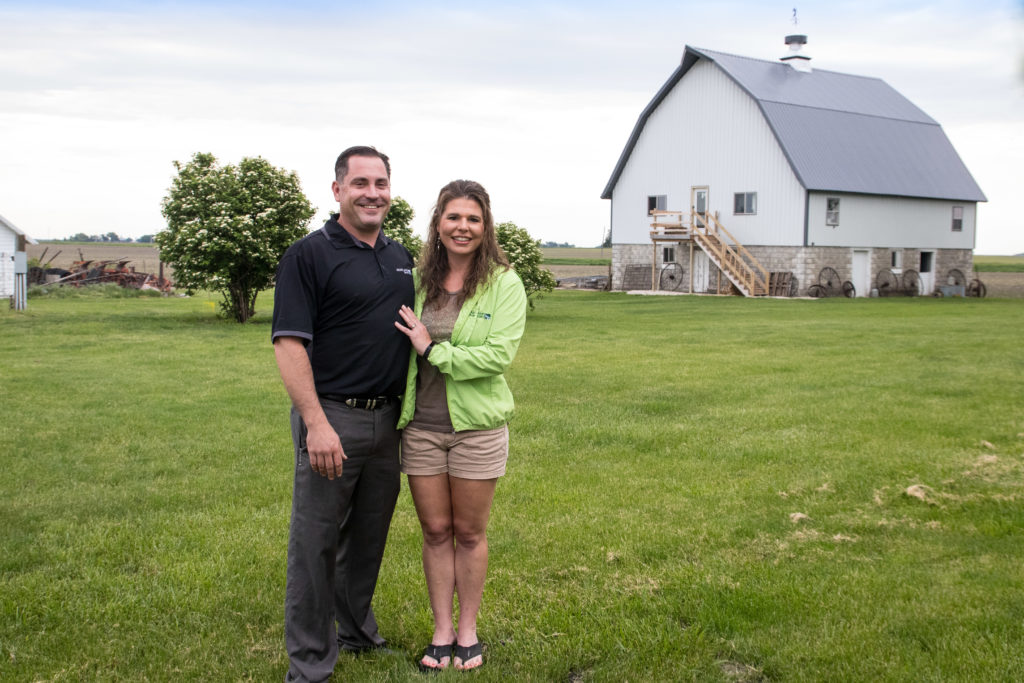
x: 484, y: 341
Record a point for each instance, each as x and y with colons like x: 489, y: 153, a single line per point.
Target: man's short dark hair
x: 341, y: 165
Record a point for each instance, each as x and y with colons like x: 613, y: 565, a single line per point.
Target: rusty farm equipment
x: 91, y: 272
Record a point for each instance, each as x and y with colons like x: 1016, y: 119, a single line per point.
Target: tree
x: 397, y: 226
x: 228, y: 226
x: 145, y: 239
x: 523, y: 253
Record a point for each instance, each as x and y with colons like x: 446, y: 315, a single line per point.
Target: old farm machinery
x: 86, y: 272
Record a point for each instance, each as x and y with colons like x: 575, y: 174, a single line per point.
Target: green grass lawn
x: 699, y: 488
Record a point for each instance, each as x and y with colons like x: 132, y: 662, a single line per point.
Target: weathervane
x: 795, y: 22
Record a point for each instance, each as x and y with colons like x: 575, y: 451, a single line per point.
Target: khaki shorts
x: 467, y: 455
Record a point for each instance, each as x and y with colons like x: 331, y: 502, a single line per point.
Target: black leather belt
x: 372, y: 403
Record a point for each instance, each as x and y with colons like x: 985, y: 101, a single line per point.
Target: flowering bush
x: 524, y: 255
x: 397, y: 226
x: 228, y: 226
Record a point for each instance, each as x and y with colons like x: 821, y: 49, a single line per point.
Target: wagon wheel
x: 829, y: 279
x: 849, y: 291
x: 816, y: 291
x: 671, y: 277
x: 977, y: 288
x: 794, y: 286
x: 911, y: 283
x: 886, y: 283
x: 956, y: 278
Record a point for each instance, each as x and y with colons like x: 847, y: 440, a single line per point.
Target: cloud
x: 533, y: 99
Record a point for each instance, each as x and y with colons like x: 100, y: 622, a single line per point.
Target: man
x: 343, y: 363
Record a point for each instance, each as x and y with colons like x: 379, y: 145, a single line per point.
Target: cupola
x: 794, y: 58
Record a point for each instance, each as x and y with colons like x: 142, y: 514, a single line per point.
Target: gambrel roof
x: 840, y: 133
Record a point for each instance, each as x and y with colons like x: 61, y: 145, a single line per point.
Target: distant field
x: 577, y: 261
x: 576, y: 255
x: 1005, y: 285
x: 999, y: 264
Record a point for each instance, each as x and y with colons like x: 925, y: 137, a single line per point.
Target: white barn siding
x: 708, y: 131
x: 8, y: 240
x: 896, y: 222
x: 8, y: 243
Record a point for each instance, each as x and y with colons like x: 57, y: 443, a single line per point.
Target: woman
x: 469, y: 318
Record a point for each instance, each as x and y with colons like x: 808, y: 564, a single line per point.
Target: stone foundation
x: 631, y: 264
x: 628, y: 261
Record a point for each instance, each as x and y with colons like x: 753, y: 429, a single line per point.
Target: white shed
x: 13, y: 263
x: 803, y: 170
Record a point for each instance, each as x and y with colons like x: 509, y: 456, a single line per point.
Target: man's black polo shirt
x: 342, y: 297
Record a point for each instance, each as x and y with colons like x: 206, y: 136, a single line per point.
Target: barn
x: 13, y: 263
x: 763, y: 177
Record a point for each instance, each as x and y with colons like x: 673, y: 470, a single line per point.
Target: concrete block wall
x: 948, y: 259
x: 627, y: 259
x: 805, y: 263
x: 629, y: 273
x: 945, y: 260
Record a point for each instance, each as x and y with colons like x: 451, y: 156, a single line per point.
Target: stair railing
x: 734, y: 258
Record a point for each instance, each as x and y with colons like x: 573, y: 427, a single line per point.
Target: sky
x: 535, y: 100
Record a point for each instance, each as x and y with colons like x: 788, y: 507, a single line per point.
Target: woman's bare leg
x: 471, y: 509
x: 433, y: 500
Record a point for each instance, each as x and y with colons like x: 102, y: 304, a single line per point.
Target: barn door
x: 700, y: 271
x: 927, y: 272
x: 861, y: 271
x: 699, y: 204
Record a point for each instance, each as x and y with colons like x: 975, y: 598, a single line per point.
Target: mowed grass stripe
x: 645, y: 530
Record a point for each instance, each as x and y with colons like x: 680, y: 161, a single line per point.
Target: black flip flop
x: 437, y: 653
x: 468, y: 652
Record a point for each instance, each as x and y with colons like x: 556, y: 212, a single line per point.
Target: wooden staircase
x: 732, y: 258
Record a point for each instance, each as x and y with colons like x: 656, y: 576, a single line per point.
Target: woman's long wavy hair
x: 434, y: 266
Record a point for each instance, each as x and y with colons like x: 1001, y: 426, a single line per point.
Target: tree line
x: 107, y: 237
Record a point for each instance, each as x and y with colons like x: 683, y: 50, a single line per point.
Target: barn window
x: 958, y: 219
x: 668, y: 254
x: 745, y: 203
x: 897, y: 260
x: 832, y: 211
x: 656, y: 203
x: 927, y: 258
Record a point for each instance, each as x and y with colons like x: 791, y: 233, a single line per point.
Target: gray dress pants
x: 336, y: 540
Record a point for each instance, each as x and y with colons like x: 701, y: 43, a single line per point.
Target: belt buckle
x: 365, y: 403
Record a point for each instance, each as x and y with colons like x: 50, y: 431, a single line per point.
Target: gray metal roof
x: 840, y: 133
